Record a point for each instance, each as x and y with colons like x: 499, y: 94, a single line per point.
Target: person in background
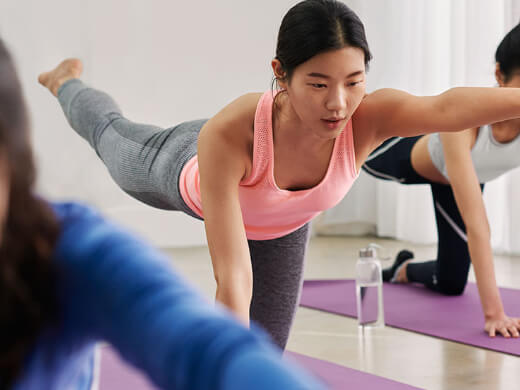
x: 457, y: 166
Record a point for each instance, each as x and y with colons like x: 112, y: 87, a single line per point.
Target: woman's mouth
x: 332, y: 123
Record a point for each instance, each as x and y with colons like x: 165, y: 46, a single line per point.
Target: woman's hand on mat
x: 504, y: 325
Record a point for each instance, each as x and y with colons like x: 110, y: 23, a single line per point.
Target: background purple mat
x: 420, y: 310
x: 116, y: 374
x: 343, y: 378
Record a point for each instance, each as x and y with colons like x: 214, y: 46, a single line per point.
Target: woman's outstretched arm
x: 391, y: 112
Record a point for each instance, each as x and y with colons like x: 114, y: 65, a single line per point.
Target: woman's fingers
x: 516, y: 327
x: 506, y: 326
x: 504, y: 332
x: 513, y: 330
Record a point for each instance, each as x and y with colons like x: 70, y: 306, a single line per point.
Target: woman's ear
x: 279, y: 73
x: 499, y: 76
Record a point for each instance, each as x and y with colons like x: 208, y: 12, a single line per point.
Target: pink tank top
x: 269, y: 212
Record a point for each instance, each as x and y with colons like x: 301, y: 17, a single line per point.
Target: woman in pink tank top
x: 264, y: 166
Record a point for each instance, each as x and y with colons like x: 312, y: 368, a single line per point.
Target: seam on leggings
x: 161, y: 152
x: 152, y: 147
x: 143, y: 146
x: 152, y: 140
x: 382, y: 175
x: 97, y: 135
x: 185, y: 156
x: 383, y: 149
x: 169, y: 132
x: 452, y: 223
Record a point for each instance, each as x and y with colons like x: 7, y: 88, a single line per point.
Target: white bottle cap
x: 367, y: 252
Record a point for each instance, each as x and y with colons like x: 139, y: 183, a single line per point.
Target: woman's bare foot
x: 401, y: 273
x: 70, y: 68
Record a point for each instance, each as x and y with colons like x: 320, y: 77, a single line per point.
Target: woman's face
x: 325, y: 91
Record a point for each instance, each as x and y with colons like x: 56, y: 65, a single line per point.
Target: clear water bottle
x: 369, y: 289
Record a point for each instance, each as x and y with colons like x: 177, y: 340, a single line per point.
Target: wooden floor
x: 418, y: 360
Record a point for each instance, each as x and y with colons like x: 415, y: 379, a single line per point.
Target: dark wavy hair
x: 28, y: 234
x: 312, y: 27
x: 508, y: 53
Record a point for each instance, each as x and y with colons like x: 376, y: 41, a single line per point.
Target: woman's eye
x: 316, y: 85
x: 354, y: 83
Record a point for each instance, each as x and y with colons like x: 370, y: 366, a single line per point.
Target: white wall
x: 163, y: 61
x: 169, y: 61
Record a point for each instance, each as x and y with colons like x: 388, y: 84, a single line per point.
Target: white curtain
x: 425, y: 47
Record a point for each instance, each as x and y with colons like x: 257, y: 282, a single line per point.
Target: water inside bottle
x: 369, y: 303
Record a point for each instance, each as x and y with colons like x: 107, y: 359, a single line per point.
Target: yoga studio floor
x: 403, y: 356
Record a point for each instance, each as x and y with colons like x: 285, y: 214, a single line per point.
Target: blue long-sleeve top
x: 114, y: 287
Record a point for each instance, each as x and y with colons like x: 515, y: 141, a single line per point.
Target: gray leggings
x: 146, y: 162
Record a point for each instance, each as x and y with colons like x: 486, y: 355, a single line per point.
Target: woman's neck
x: 289, y: 128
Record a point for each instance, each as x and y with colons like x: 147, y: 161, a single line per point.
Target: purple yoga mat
x: 415, y: 308
x: 116, y: 374
x: 343, y: 378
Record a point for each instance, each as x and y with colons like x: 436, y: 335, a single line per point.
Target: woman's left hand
x: 506, y: 326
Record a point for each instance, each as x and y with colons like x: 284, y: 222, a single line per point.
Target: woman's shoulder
x: 231, y: 130
x: 364, y: 128
x: 240, y: 111
x: 249, y: 101
x: 236, y: 115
